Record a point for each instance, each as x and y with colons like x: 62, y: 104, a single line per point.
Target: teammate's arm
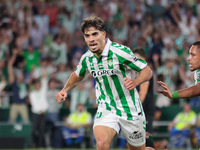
x: 72, y: 82
x: 144, y: 75
x: 143, y: 90
x: 190, y: 92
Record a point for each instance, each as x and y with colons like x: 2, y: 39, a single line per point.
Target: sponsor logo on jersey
x: 99, y: 73
x: 135, y: 58
x: 136, y: 135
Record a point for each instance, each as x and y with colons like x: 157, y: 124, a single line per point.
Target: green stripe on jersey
x: 129, y: 52
x: 102, y: 96
x: 109, y: 92
x: 120, y: 92
x: 84, y: 68
x: 114, y: 78
x: 122, y: 47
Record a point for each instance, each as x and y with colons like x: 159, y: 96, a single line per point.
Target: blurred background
x: 41, y: 45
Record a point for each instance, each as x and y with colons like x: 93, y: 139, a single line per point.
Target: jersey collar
x: 106, y: 48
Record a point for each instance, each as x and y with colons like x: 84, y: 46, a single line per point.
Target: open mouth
x: 93, y: 46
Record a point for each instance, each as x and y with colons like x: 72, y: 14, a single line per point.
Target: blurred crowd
x: 41, y: 44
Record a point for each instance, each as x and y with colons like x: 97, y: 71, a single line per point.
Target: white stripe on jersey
x: 127, y: 56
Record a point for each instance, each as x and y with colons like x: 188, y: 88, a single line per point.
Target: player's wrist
x: 175, y: 94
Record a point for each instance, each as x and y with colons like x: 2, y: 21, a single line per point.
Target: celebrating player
x: 113, y: 66
x: 194, y: 64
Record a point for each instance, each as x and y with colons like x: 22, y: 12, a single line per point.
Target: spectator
x: 67, y: 19
x: 157, y: 10
x: 79, y: 95
x: 80, y: 47
x: 20, y: 93
x: 3, y: 83
x: 36, y: 36
x: 37, y: 72
x: 43, y: 21
x: 39, y: 106
x: 76, y: 125
x: 59, y: 51
x: 169, y: 72
x: 31, y: 59
x: 197, y: 130
x: 52, y: 115
x: 54, y: 107
x: 63, y: 73
x: 52, y: 12
x: 168, y: 53
x: 22, y: 40
x: 19, y: 63
x: 4, y: 41
x: 180, y: 127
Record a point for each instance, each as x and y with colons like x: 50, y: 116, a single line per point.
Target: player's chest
x: 104, y: 66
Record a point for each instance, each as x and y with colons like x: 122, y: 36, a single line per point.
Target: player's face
x: 95, y: 40
x: 194, y: 58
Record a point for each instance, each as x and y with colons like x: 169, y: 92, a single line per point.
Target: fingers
x: 60, y: 97
x: 162, y: 83
x: 128, y: 83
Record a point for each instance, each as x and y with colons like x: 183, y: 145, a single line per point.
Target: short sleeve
x: 82, y: 69
x: 127, y: 57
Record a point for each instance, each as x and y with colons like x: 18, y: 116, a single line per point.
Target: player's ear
x: 104, y: 34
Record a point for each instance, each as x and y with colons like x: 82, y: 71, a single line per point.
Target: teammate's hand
x: 129, y: 84
x: 166, y: 92
x: 60, y: 96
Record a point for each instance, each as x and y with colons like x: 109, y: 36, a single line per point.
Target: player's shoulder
x: 120, y: 47
x: 86, y: 54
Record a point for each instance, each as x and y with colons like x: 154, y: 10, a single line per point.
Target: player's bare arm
x: 72, y: 82
x: 144, y: 75
x: 190, y: 92
x: 143, y: 90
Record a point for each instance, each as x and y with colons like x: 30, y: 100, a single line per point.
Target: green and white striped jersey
x: 115, y: 63
x: 197, y: 76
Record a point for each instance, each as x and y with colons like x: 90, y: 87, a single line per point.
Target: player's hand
x: 129, y: 84
x: 60, y: 96
x: 166, y: 92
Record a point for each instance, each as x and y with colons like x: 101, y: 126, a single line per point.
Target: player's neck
x: 99, y: 52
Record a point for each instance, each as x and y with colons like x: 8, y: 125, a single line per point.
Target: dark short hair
x: 96, y: 22
x: 140, y: 51
x: 197, y: 43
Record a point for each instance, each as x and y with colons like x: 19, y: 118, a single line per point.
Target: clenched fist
x: 129, y: 84
x: 60, y: 96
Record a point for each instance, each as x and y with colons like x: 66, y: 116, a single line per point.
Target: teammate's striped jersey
x: 197, y: 76
x: 109, y: 70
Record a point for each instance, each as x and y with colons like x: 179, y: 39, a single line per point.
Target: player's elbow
x: 149, y: 73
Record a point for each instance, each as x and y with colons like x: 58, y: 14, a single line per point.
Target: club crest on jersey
x: 107, y: 72
x: 110, y: 62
